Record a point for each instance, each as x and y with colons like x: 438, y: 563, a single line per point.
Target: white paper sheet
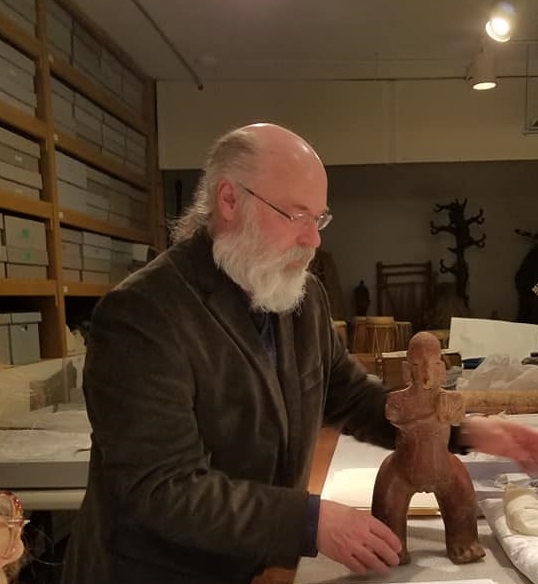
x: 476, y: 337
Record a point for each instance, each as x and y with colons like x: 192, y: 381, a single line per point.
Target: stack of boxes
x: 19, y: 338
x: 17, y: 74
x: 85, y: 189
x: 19, y: 165
x: 78, y: 116
x: 22, y: 12
x: 26, y: 248
x: 93, y: 258
x: 3, y: 253
x: 71, y: 42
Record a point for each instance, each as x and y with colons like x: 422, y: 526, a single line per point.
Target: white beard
x: 272, y: 285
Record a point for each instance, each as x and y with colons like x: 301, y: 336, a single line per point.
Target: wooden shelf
x: 85, y: 289
x: 25, y: 205
x: 17, y: 36
x: 93, y: 156
x: 91, y: 89
x: 72, y: 218
x: 16, y: 287
x: 21, y: 120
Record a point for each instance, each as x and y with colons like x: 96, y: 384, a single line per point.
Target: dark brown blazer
x: 201, y: 447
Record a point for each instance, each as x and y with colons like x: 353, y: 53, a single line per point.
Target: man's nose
x: 309, y: 236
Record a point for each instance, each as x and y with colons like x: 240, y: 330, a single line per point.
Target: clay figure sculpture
x: 421, y: 461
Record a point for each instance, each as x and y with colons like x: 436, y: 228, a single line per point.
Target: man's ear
x: 226, y: 200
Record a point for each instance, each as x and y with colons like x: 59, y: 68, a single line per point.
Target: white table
x: 425, y: 533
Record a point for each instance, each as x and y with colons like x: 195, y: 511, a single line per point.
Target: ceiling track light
x: 481, y: 72
x: 501, y: 21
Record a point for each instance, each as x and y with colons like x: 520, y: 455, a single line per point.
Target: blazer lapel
x: 228, y: 304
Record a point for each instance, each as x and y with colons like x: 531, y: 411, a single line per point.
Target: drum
x: 341, y: 329
x: 443, y: 336
x: 381, y: 334
x: 404, y: 332
x: 359, y: 337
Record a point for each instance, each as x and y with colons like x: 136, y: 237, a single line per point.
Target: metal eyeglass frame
x: 321, y: 221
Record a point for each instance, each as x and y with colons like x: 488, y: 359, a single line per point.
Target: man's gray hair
x: 235, y: 151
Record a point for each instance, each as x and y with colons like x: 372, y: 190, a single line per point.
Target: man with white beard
x: 208, y: 376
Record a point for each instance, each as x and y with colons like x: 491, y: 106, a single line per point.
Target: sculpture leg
x: 390, y: 501
x: 458, y: 507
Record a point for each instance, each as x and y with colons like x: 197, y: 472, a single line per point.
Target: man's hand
x: 356, y: 539
x: 503, y: 437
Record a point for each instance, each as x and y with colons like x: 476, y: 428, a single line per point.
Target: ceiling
x: 237, y: 40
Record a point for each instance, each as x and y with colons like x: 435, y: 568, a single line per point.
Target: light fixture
x: 481, y: 73
x: 501, y: 22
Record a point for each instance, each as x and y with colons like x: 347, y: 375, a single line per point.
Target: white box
x: 88, y: 107
x: 25, y: 272
x: 62, y: 110
x: 115, y: 124
x: 71, y: 170
x: 25, y: 233
x: 95, y: 277
x: 18, y: 18
x: 18, y: 158
x: 17, y: 75
x: 71, y: 197
x: 95, y: 200
x: 26, y: 255
x: 114, y: 148
x: 71, y: 235
x: 11, y: 87
x: 17, y: 58
x: 17, y: 103
x: 26, y: 8
x: 101, y: 214
x: 118, y: 220
x: 56, y: 10
x: 20, y: 175
x: 19, y: 143
x: 71, y: 275
x: 59, y: 34
x: 62, y: 90
x: 98, y: 176
x: 18, y: 189
x: 88, y: 120
x: 90, y: 134
x: 95, y: 240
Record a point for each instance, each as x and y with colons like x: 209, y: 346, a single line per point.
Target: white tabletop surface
x: 426, y: 543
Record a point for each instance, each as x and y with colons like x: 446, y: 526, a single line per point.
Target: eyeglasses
x: 303, y: 219
x: 11, y: 523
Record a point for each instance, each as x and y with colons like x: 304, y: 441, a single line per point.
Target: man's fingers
x: 385, y: 534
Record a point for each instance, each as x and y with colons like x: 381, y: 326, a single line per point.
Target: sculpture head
x: 424, y: 368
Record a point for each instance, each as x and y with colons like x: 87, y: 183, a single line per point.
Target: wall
x: 382, y: 209
x: 383, y: 213
x: 353, y: 122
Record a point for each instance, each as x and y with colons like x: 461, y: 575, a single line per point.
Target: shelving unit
x: 51, y: 296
